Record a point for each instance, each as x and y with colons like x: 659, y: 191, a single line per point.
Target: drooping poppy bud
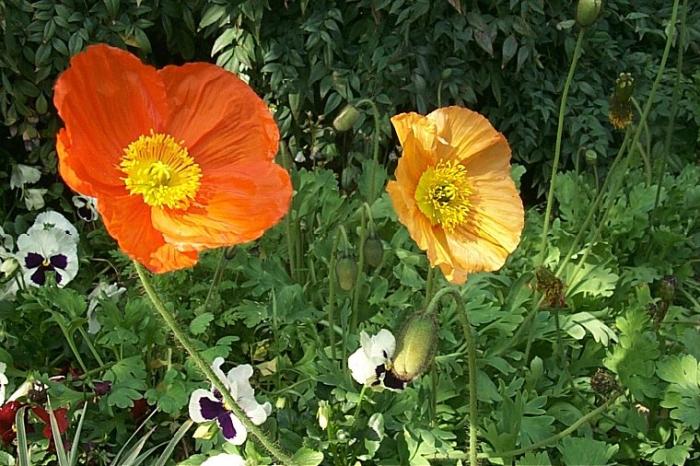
x: 346, y: 119
x: 587, y: 11
x: 415, y: 348
x: 346, y: 272
x: 374, y: 252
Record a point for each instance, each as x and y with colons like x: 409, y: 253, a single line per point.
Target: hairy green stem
x: 470, y: 338
x: 557, y: 147
x: 375, y: 143
x: 332, y: 279
x: 215, y: 279
x: 360, y: 270
x: 674, y: 109
x: 542, y: 443
x: 205, y: 369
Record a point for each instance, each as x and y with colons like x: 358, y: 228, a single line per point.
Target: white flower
x: 86, y: 208
x: 6, y: 243
x: 369, y: 363
x: 34, y: 198
x: 224, y: 459
x: 23, y: 174
x: 3, y: 381
x: 101, y: 292
x: 209, y: 405
x: 53, y: 220
x: 47, y: 251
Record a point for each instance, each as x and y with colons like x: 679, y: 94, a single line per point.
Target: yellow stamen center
x: 161, y: 170
x: 443, y: 194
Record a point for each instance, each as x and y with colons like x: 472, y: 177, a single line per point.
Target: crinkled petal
x: 361, y: 367
x: 232, y: 429
x: 236, y: 206
x: 197, y: 413
x: 219, y: 117
x: 106, y: 98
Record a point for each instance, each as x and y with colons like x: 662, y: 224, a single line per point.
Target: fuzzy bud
x: 603, y: 382
x: 346, y: 272
x: 374, y: 252
x: 587, y: 11
x: 323, y: 414
x: 415, y: 347
x: 591, y: 157
x: 346, y: 119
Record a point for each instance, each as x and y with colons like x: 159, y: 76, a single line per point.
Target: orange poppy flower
x: 179, y: 159
x: 454, y: 192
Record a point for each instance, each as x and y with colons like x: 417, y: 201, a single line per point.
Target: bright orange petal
x: 128, y: 219
x: 235, y: 206
x: 219, y: 117
x: 107, y: 98
x: 69, y: 171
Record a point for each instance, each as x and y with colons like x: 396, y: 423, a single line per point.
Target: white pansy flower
x: 86, y: 208
x: 209, y: 405
x: 47, y: 251
x: 370, y: 362
x: 224, y: 459
x: 3, y: 382
x: 53, y: 220
x: 23, y: 174
x: 101, y: 292
x: 34, y: 198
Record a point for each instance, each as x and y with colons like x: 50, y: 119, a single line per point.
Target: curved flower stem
x: 542, y: 443
x: 331, y: 292
x: 215, y: 279
x: 557, y: 147
x: 375, y: 153
x: 205, y: 369
x: 360, y: 270
x: 471, y: 354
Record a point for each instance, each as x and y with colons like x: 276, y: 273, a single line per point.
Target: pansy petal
x: 232, y: 429
x: 385, y: 342
x: 51, y: 219
x: 107, y: 98
x: 361, y: 367
x: 224, y: 459
x: 202, y: 413
x: 219, y: 117
x: 238, y: 379
x: 240, y: 206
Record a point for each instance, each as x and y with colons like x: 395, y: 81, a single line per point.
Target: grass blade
x: 22, y: 448
x: 173, y: 442
x: 115, y: 461
x: 76, y: 438
x: 57, y: 440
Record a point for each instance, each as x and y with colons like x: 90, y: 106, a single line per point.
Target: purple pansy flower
x: 86, y: 208
x: 209, y: 405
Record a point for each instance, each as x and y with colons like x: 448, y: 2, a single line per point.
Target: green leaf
x: 534, y: 459
x: 683, y: 393
x: 307, y: 457
x: 576, y: 451
x: 201, y: 323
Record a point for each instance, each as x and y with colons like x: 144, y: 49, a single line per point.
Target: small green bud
x: 374, y: 252
x: 206, y: 431
x: 591, y: 157
x: 346, y: 118
x: 587, y: 11
x: 8, y: 267
x: 346, y: 272
x: 415, y: 347
x: 323, y: 414
x: 667, y: 288
x: 624, y: 86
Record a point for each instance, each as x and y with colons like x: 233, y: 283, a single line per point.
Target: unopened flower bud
x: 587, y: 11
x: 206, y: 431
x: 8, y: 267
x: 624, y: 85
x: 591, y: 157
x: 323, y: 414
x: 346, y: 272
x: 374, y: 252
x: 346, y: 119
x: 667, y: 288
x: 603, y: 382
x: 415, y: 347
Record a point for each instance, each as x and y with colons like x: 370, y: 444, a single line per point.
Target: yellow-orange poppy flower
x: 179, y: 159
x: 454, y: 192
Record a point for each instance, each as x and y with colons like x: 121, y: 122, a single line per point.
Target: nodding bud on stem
x: 587, y: 11
x: 374, y: 252
x: 346, y: 272
x: 346, y: 118
x: 591, y: 157
x: 415, y: 347
x: 620, y: 112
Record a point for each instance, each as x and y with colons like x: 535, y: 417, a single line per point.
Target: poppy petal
x: 219, y: 117
x: 128, y: 219
x: 237, y: 207
x: 107, y: 98
x: 469, y: 133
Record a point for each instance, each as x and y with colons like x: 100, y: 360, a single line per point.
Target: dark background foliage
x: 506, y: 59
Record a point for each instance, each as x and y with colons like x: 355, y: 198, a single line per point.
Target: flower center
x: 161, y: 170
x: 443, y: 194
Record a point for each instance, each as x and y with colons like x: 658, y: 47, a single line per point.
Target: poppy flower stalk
x: 205, y: 369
